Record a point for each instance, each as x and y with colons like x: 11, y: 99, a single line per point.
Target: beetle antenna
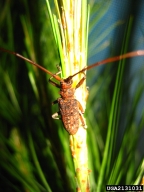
x: 33, y: 63
x: 112, y: 59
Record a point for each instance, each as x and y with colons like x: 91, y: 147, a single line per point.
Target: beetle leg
x: 59, y: 70
x: 80, y: 107
x: 54, y: 102
x: 81, y: 112
x: 52, y: 82
x: 82, y: 119
x: 56, y: 115
x: 81, y: 81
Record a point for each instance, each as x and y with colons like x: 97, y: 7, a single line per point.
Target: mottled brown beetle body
x: 69, y: 112
x: 70, y: 109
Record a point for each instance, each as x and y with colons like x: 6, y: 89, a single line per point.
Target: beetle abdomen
x: 69, y: 111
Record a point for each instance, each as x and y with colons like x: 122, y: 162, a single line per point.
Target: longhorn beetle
x: 70, y: 109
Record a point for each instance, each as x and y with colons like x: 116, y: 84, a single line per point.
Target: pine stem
x: 72, y: 18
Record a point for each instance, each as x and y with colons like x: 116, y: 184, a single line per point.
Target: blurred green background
x: 34, y: 148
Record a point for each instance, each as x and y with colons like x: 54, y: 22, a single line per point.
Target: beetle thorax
x: 67, y: 93
x: 66, y: 90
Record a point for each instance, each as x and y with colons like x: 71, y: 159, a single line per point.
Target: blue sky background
x: 119, y: 10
